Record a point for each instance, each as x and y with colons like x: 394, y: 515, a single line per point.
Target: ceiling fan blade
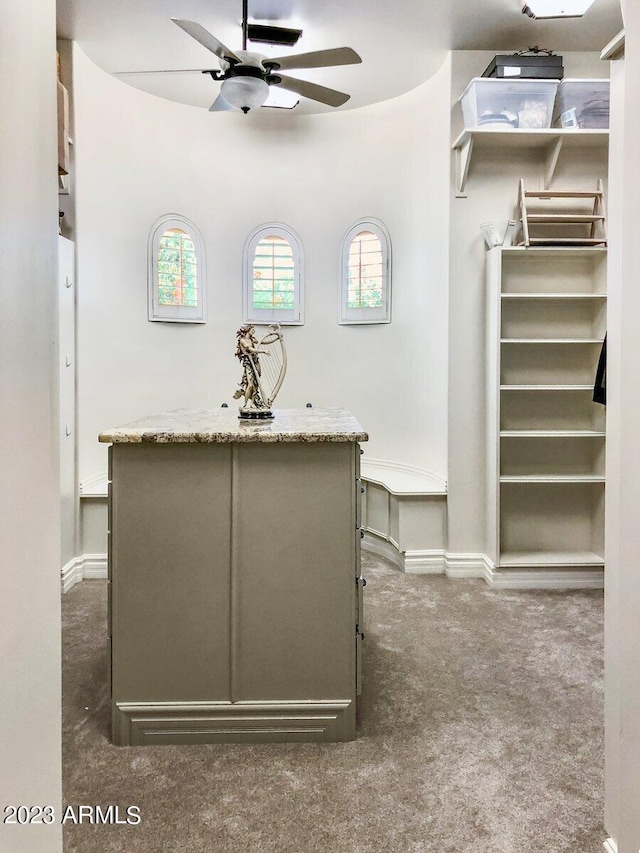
x: 331, y: 97
x: 220, y: 105
x: 316, y: 59
x: 206, y: 39
x: 166, y: 71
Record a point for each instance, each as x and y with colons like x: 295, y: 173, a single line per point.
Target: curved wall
x: 138, y: 156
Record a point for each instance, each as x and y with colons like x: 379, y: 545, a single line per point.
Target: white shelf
x: 536, y: 252
x: 550, y: 142
x: 546, y: 387
x: 551, y: 433
x: 518, y: 559
x: 551, y: 340
x: 553, y: 296
x: 552, y: 478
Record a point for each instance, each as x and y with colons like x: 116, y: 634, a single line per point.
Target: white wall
x: 622, y: 603
x: 29, y: 496
x: 491, y: 194
x: 138, y: 156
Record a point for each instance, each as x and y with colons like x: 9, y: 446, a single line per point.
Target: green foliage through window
x: 177, y: 269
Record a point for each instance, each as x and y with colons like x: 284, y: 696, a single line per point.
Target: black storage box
x: 526, y: 66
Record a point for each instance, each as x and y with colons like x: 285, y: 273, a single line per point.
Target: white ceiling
x: 401, y: 42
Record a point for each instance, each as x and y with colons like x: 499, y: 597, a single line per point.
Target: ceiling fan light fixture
x: 542, y: 9
x: 245, y: 93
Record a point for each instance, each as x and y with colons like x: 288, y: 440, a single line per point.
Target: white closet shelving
x: 547, y: 142
x: 546, y: 437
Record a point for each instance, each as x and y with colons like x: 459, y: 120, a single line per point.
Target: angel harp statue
x: 262, y: 378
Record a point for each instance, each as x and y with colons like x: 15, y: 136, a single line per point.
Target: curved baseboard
x: 480, y: 566
x: 90, y: 566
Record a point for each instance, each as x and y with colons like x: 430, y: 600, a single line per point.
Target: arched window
x: 365, y: 291
x: 176, y: 271
x: 272, y: 276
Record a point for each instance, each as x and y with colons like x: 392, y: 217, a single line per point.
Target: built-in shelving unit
x: 548, y: 142
x: 546, y: 436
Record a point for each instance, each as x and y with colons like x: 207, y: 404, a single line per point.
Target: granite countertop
x: 224, y: 426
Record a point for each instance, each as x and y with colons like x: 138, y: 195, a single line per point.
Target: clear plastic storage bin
x: 582, y: 103
x: 528, y: 104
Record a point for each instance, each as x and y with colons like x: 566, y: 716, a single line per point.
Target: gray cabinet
x: 234, y: 589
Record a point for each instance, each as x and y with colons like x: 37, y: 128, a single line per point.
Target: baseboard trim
x: 425, y: 562
x: 469, y: 566
x: 145, y: 723
x: 610, y: 846
x: 429, y: 562
x: 461, y: 566
x: 434, y: 562
x: 90, y: 566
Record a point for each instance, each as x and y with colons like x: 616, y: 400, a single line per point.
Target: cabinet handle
x: 362, y: 534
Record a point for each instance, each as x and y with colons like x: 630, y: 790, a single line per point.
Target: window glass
x: 177, y: 269
x: 365, y: 286
x: 365, y: 280
x: 273, y: 274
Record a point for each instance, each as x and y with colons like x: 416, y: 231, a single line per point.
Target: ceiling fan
x: 246, y: 76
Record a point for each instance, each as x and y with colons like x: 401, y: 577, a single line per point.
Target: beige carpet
x: 480, y: 732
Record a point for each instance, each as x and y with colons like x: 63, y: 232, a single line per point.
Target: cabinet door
x: 171, y: 506
x: 294, y: 571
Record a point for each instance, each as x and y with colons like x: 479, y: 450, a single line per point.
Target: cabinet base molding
x: 91, y: 566
x: 156, y: 723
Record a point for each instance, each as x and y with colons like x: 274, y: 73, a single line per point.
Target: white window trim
x: 175, y: 313
x: 286, y: 317
x: 363, y: 316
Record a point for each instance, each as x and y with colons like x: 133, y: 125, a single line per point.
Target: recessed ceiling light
x: 556, y: 8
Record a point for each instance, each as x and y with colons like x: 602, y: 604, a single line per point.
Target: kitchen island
x: 235, y: 596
